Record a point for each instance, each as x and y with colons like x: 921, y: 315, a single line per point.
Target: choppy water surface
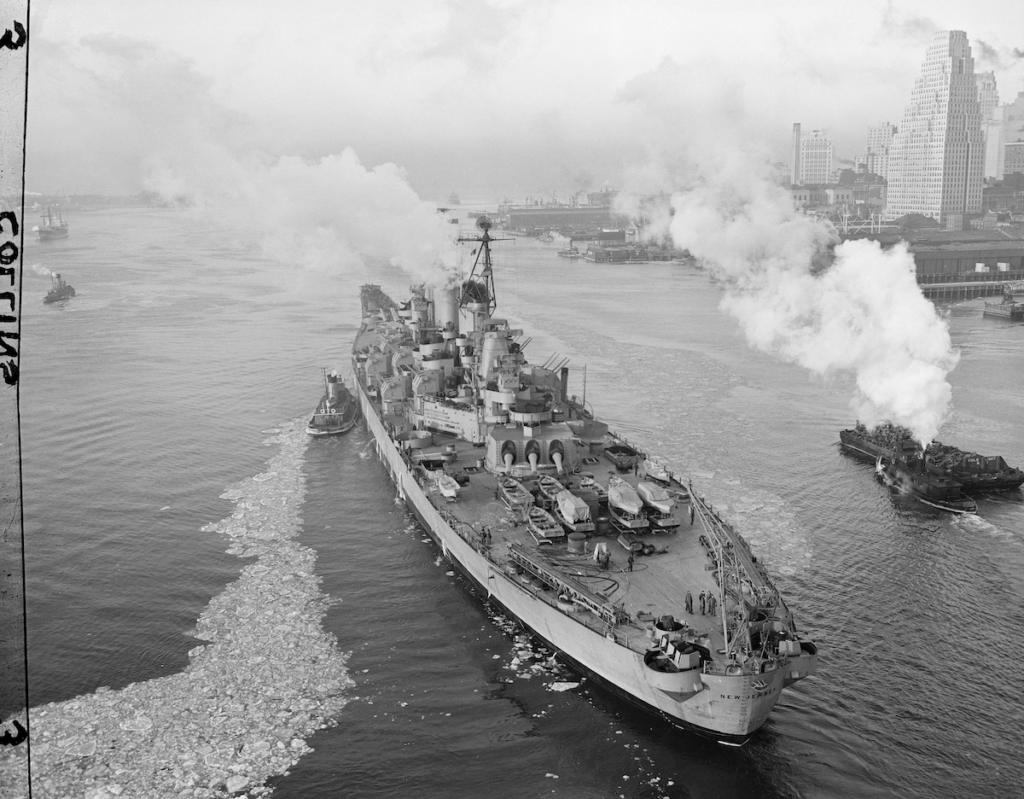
x: 145, y: 397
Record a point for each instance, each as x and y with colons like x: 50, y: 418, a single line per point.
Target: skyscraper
x: 794, y: 175
x: 991, y: 120
x: 815, y: 159
x: 879, y: 141
x: 937, y: 156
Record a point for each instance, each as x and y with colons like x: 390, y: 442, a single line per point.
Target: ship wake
x: 242, y: 709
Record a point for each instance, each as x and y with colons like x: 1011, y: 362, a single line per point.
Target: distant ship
x: 453, y: 199
x: 59, y: 290
x: 338, y: 410
x: 570, y: 252
x: 52, y: 227
x: 971, y: 471
x: 489, y: 452
x: 1012, y: 305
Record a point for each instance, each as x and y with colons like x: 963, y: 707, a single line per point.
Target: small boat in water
x: 1012, y: 305
x: 337, y: 412
x: 59, y: 290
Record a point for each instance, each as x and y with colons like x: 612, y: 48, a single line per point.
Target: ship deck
x: 615, y: 600
x: 656, y: 585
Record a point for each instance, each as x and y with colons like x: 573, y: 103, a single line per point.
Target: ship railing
x: 577, y: 592
x: 475, y: 538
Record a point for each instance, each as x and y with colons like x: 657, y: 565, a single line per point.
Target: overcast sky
x: 508, y: 97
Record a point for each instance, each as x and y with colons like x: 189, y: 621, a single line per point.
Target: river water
x: 147, y: 395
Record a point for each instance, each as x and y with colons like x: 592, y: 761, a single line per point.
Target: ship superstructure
x: 503, y: 467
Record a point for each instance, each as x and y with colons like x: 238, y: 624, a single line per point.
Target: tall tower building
x: 879, y: 141
x: 988, y: 94
x: 1011, y: 131
x: 937, y: 156
x: 991, y: 120
x: 794, y: 176
x: 815, y: 159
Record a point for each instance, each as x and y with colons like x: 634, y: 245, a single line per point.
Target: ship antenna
x: 479, y: 287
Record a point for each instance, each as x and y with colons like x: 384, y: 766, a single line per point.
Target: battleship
x: 503, y: 468
x: 972, y: 473
x: 337, y: 411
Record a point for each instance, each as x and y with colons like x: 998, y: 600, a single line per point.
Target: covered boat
x: 573, y: 512
x: 655, y: 469
x: 660, y: 504
x: 625, y: 505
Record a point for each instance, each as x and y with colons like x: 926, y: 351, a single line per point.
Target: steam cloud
x: 862, y: 313
x: 327, y: 213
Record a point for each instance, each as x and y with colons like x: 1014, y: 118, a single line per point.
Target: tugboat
x: 974, y: 473
x: 337, y: 412
x: 571, y: 252
x: 907, y: 474
x: 51, y: 228
x: 1012, y: 305
x: 441, y: 374
x: 59, y: 290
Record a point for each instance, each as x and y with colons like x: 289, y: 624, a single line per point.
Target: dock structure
x: 987, y: 285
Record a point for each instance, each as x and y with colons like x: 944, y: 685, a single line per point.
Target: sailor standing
x: 702, y: 603
x: 689, y: 603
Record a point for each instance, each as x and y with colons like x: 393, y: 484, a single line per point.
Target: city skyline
x: 517, y: 97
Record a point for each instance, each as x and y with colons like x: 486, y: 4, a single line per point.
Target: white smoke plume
x: 147, y: 117
x: 856, y: 309
x: 796, y: 294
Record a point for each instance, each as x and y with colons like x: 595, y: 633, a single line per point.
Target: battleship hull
x: 727, y: 707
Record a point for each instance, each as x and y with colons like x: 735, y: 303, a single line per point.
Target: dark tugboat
x: 907, y: 472
x: 1012, y: 305
x: 337, y: 412
x: 59, y: 290
x: 973, y: 472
